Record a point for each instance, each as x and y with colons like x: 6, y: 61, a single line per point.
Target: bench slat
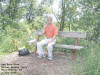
x: 66, y: 34
x: 68, y: 46
x: 72, y: 34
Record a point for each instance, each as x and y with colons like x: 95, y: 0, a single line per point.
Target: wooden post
x: 74, y: 51
x: 38, y: 39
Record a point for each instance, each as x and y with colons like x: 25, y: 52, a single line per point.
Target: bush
x: 90, y: 64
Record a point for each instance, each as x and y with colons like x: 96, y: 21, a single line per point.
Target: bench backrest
x: 72, y: 34
x: 66, y: 34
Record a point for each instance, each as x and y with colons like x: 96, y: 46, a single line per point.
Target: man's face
x: 49, y: 20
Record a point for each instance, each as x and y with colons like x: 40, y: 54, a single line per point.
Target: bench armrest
x: 38, y: 32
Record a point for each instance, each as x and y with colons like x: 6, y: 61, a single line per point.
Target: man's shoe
x: 49, y: 58
x: 39, y: 56
x: 43, y: 56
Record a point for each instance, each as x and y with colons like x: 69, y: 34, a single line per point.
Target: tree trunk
x: 62, y: 17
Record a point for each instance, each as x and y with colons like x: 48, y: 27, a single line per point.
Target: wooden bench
x: 74, y: 47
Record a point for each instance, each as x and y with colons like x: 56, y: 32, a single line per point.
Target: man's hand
x: 51, y: 39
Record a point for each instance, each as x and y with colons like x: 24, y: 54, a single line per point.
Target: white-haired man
x: 50, y: 31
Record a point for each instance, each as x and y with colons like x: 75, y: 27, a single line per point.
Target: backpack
x: 23, y: 52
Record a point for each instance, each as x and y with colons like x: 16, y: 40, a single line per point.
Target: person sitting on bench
x: 50, y: 31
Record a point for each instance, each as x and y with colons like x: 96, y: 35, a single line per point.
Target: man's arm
x: 44, y: 29
x: 54, y: 37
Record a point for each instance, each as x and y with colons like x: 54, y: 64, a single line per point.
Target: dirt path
x: 60, y: 65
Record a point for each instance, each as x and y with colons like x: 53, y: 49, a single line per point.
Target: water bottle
x: 31, y: 38
x: 30, y: 42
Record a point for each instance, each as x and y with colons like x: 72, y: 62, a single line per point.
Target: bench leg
x: 38, y: 39
x: 74, y: 54
x: 74, y: 51
x: 35, y: 49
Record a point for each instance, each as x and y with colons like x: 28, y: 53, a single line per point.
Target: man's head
x: 49, y: 20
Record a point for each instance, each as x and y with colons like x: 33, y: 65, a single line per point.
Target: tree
x: 12, y: 10
x: 67, y: 13
x: 89, y: 21
x: 31, y: 11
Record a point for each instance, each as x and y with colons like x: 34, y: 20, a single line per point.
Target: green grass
x: 89, y: 63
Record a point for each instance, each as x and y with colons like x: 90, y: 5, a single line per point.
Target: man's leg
x: 50, y: 49
x: 39, y: 47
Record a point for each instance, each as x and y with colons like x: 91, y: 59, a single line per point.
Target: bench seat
x: 68, y: 46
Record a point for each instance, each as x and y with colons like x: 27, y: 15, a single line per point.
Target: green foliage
x: 38, y: 23
x: 12, y: 9
x: 9, y: 31
x: 90, y: 60
x: 6, y: 22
